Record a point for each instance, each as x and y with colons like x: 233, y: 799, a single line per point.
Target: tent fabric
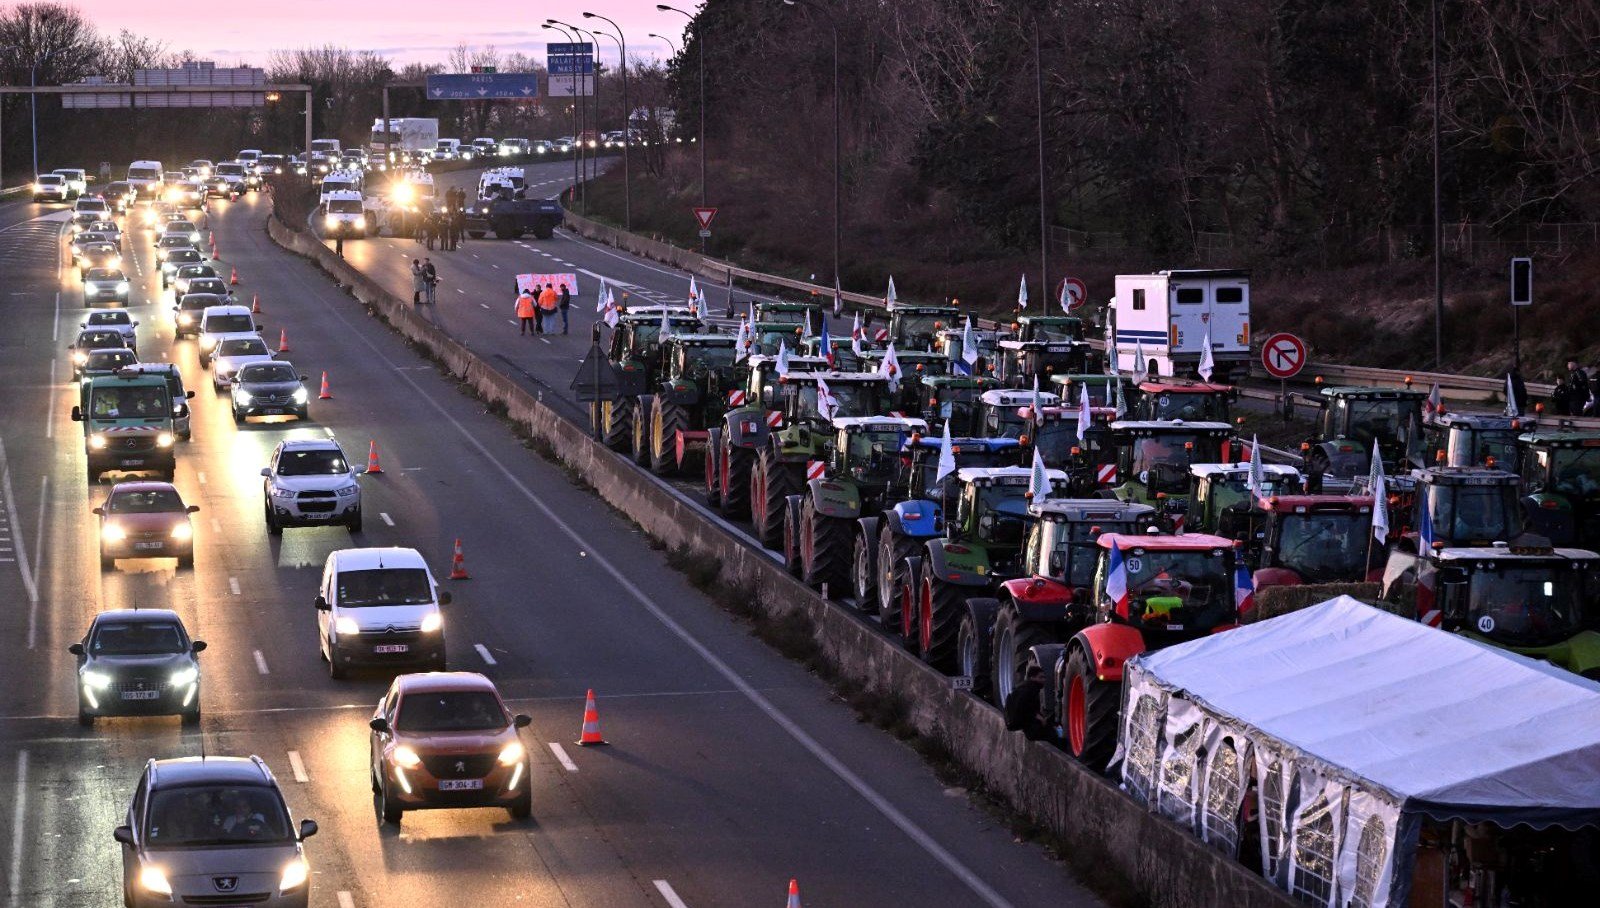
x: 1430, y: 720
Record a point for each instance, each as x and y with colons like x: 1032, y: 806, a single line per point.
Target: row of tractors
x: 890, y: 468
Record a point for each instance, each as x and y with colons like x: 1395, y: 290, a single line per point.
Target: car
x: 188, y: 274
x: 158, y: 213
x: 272, y: 164
x: 231, y: 353
x: 233, y: 172
x: 105, y: 285
x: 202, y: 167
x: 190, y: 307
x: 116, y: 320
x: 171, y: 178
x: 104, y: 361
x: 138, y: 662
x: 176, y: 258
x: 50, y: 187
x: 94, y: 250
x: 184, y: 230
x: 178, y: 240
x: 446, y: 740
x: 175, y: 390
x: 219, y: 320
x: 77, y: 180
x: 145, y: 520
x: 120, y: 195
x: 218, y: 187
x: 187, y: 194
x: 310, y: 482
x: 91, y: 205
x: 380, y: 607
x: 269, y: 389
x: 215, y: 286
x: 212, y: 830
x: 109, y: 229
x: 90, y: 340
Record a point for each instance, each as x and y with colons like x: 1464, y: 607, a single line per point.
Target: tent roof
x: 1447, y: 726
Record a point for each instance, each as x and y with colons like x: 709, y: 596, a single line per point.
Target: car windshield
x: 119, y: 317
x: 183, y: 227
x: 344, y: 206
x: 95, y: 205
x: 100, y: 339
x: 1325, y: 546
x: 105, y: 274
x: 99, y: 250
x: 1189, y: 588
x: 126, y: 403
x: 311, y: 462
x: 230, y: 170
x: 854, y: 398
x: 144, y: 501
x: 384, y: 586
x: 183, y: 257
x: 226, y: 324
x: 244, y: 346
x: 199, y: 300
x: 210, y: 285
x: 110, y: 360
x: 450, y: 710
x: 1531, y: 606
x: 193, y: 271
x: 265, y: 372
x: 1576, y: 471
x: 143, y: 173
x: 137, y: 638
x: 1211, y: 407
x: 201, y: 815
x: 1480, y: 513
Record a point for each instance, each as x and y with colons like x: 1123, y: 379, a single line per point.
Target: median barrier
x: 1152, y: 859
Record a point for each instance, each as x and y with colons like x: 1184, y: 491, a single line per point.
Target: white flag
x: 1121, y: 402
x: 947, y: 456
x: 741, y: 346
x: 1085, y: 415
x: 1380, y: 499
x: 1022, y: 293
x: 1039, y: 479
x: 1038, y: 405
x: 1066, y: 300
x: 1257, y: 481
x: 1141, y: 372
x: 782, y: 366
x: 1511, y: 398
x: 694, y: 292
x: 1206, y: 365
x: 890, y: 367
x: 855, y: 335
x: 969, y: 346
x: 827, y: 404
x: 600, y: 299
x: 613, y: 314
x: 889, y: 299
x: 666, y: 326
x: 838, y: 298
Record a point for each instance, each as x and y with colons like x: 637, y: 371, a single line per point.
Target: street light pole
x: 591, y: 166
x: 833, y: 24
x: 577, y: 130
x: 700, y: 45
x: 670, y: 46
x: 627, y: 119
x: 1044, y: 229
x: 1438, y: 227
x: 33, y: 109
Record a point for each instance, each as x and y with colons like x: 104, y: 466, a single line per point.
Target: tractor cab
x: 767, y: 337
x: 953, y: 400
x: 1307, y: 539
x: 1051, y: 328
x: 849, y: 394
x: 1531, y: 598
x: 1561, y: 486
x: 1355, y: 421
x: 1170, y: 588
x: 1190, y: 401
x: 1153, y: 458
x: 1220, y: 501
x: 844, y: 357
x: 1090, y: 461
x: 776, y: 312
x: 1476, y: 440
x: 919, y: 461
x: 862, y: 463
x: 1061, y: 548
x: 1465, y: 506
x: 762, y: 380
x: 1019, y: 362
x: 986, y: 518
x: 636, y: 345
x: 949, y: 344
x: 1000, y: 411
x: 918, y: 327
x: 700, y: 362
x: 914, y: 367
x: 1104, y: 390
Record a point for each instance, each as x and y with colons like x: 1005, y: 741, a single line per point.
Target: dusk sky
x: 405, y: 31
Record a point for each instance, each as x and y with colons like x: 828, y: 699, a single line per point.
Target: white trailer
x: 1167, y: 317
x: 410, y: 134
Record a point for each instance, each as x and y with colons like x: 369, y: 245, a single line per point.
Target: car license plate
x: 460, y: 784
x: 392, y: 648
x: 140, y: 694
x: 145, y: 546
x: 133, y: 461
x: 273, y: 411
x: 316, y: 515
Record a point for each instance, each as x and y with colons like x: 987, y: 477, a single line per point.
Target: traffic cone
x: 326, y: 394
x: 591, y: 724
x: 283, y: 340
x: 794, y: 894
x: 233, y: 277
x: 372, y: 459
x: 255, y: 304
x: 458, y: 564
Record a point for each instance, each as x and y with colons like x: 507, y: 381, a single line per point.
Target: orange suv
x: 446, y: 739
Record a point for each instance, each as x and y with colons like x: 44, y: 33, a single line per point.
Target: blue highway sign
x: 482, y: 86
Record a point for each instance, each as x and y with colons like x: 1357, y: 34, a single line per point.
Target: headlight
x: 96, y: 680
x: 184, y: 676
x: 98, y: 442
x: 332, y: 222
x: 153, y: 880
x: 38, y: 187
x: 295, y: 874
x: 194, y: 237
x: 80, y: 357
x: 91, y: 286
x: 183, y: 532
x: 406, y: 757
x: 185, y: 318
x: 351, y: 491
x: 300, y: 395
x: 432, y: 622
x: 164, y: 440
x: 112, y: 532
x: 512, y: 753
x: 278, y: 492
x: 241, y: 395
x: 347, y: 626
x: 122, y: 286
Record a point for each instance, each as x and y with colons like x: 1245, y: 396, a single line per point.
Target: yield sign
x: 704, y: 216
x: 1283, y: 355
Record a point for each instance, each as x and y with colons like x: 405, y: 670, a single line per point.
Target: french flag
x: 827, y: 342
x: 1244, y: 590
x: 1117, y: 583
x: 1425, y: 533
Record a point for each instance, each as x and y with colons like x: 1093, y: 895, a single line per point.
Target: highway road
x: 730, y: 769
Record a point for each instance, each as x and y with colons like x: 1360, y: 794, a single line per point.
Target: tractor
x: 697, y: 371
x: 786, y: 313
x: 1354, y: 420
x: 1466, y: 506
x: 795, y: 451
x: 1191, y: 401
x: 1049, y: 602
x: 1153, y: 457
x: 634, y: 355
x: 1220, y: 502
x: 918, y: 327
x: 767, y: 337
x: 1008, y: 413
x: 980, y: 547
x: 1047, y: 328
x: 953, y: 400
x: 1019, y: 362
x: 753, y: 412
x: 1561, y: 486
x: 1090, y: 462
x: 915, y: 365
x: 1476, y: 439
x: 844, y: 356
x: 1104, y: 390
x: 1149, y: 592
x: 950, y: 345
x: 858, y: 474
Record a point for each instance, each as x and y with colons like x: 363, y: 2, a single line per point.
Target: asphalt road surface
x: 730, y: 769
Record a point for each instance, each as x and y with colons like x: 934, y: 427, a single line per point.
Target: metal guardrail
x: 15, y: 190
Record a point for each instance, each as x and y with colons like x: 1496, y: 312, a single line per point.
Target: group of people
x: 447, y: 226
x: 424, y: 282
x: 534, y: 309
x: 1574, y: 393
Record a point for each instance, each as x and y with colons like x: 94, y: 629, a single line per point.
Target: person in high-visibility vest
x: 548, y: 301
x: 527, y: 310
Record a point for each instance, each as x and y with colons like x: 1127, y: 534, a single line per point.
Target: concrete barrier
x: 1157, y: 861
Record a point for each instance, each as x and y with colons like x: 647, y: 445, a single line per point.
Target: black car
x: 105, y: 285
x: 138, y: 662
x: 191, y: 306
x: 269, y: 389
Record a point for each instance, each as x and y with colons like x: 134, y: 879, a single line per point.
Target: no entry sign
x: 1283, y: 355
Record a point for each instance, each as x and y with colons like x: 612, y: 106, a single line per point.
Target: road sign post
x: 1521, y: 295
x: 1283, y: 355
x: 1074, y: 292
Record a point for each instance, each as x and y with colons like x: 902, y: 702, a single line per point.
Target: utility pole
x: 627, y: 118
x: 1438, y: 226
x: 1044, y: 229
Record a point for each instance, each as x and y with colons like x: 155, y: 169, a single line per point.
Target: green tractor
x: 986, y: 519
x: 696, y: 372
x: 1052, y: 328
x: 819, y: 531
x: 634, y: 354
x: 1476, y: 439
x: 913, y: 328
x: 797, y: 448
x: 1104, y: 390
x: 1354, y: 421
x: 952, y: 400
x: 753, y: 411
x: 782, y: 312
x: 1019, y: 362
x: 1561, y: 486
x: 1465, y: 506
x: 915, y: 366
x: 1008, y: 412
x: 1153, y: 458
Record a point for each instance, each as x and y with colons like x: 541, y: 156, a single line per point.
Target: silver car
x: 212, y: 831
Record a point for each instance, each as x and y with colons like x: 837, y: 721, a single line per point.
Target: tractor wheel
x: 864, y: 573
x: 713, y: 477
x: 615, y: 426
x: 908, y: 591
x: 893, y: 550
x: 972, y: 654
x: 1012, y: 650
x: 1089, y: 711
x: 640, y: 424
x: 736, y: 488
x: 793, y: 554
x: 771, y: 482
x: 825, y: 545
x: 939, y: 610
x: 665, y: 421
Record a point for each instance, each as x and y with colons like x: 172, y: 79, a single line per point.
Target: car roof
x: 106, y: 310
x: 143, y: 485
x: 1184, y: 543
x: 429, y: 682
x: 139, y: 615
x: 368, y: 559
x: 180, y: 771
x: 228, y: 310
x: 311, y: 444
x: 239, y: 335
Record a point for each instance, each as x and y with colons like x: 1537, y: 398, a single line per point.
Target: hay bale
x: 1281, y: 600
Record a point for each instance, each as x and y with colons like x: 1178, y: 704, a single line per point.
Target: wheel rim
x: 656, y: 429
x: 808, y: 541
x: 758, y: 496
x: 711, y: 475
x: 863, y: 571
x: 925, y: 615
x: 1005, y: 662
x: 908, y: 610
x: 969, y: 655
x: 1077, y: 714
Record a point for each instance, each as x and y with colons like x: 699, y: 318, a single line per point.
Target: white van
x: 380, y: 607
x: 216, y: 321
x: 1169, y: 314
x: 447, y: 149
x: 144, y: 178
x: 344, y: 214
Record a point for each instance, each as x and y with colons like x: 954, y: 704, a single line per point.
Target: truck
x: 1167, y: 316
x: 408, y: 135
x: 127, y: 421
x: 502, y: 182
x: 511, y: 218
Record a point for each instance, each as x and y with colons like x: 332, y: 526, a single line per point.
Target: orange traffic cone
x: 283, y: 340
x: 255, y: 304
x: 458, y: 564
x: 372, y: 459
x: 326, y: 394
x: 233, y: 278
x: 794, y: 894
x: 591, y: 724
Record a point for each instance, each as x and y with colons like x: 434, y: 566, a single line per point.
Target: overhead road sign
x: 573, y: 86
x: 483, y: 86
x: 197, y: 84
x: 1283, y: 355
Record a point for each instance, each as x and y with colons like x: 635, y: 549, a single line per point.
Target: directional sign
x: 704, y: 216
x: 1077, y: 294
x: 483, y: 86
x: 1283, y: 355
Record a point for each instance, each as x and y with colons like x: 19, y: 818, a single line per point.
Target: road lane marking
x: 460, y: 291
x: 562, y: 758
x: 298, y: 767
x: 18, y: 814
x: 233, y: 585
x: 261, y: 662
x: 22, y: 551
x: 384, y: 516
x: 55, y: 326
x: 202, y: 475
x: 484, y: 652
x: 346, y: 900
x: 665, y: 888
x: 38, y: 533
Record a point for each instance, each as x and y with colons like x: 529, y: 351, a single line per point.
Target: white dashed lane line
x: 233, y: 585
x: 665, y: 888
x: 261, y: 663
x: 298, y: 767
x: 562, y: 758
x: 484, y: 652
x: 384, y: 516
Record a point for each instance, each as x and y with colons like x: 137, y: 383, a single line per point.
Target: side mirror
x: 303, y: 378
x: 308, y: 828
x: 193, y: 509
x: 188, y: 395
x: 136, y: 324
x: 77, y: 414
x: 379, y: 723
x: 266, y: 471
x: 521, y: 721
x: 445, y: 598
x: 321, y: 604
x: 123, y: 834
x: 100, y: 511
x: 76, y: 649
x: 197, y: 646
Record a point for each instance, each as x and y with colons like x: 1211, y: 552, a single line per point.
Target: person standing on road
x: 527, y: 311
x: 427, y: 230
x: 1022, y: 707
x: 548, y: 302
x: 418, y: 284
x: 1578, y: 392
x: 565, y: 304
x: 430, y: 280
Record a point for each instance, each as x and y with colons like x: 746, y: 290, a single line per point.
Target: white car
x: 117, y: 320
x: 217, y: 321
x: 380, y: 607
x: 309, y: 482
x: 77, y: 180
x: 233, y: 173
x: 232, y: 352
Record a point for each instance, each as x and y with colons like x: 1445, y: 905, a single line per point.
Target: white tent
x: 1355, y: 725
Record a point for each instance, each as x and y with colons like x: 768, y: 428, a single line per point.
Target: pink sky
x: 405, y: 31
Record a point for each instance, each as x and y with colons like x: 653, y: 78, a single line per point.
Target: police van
x: 344, y: 213
x: 144, y: 178
x: 498, y: 181
x: 1167, y: 317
